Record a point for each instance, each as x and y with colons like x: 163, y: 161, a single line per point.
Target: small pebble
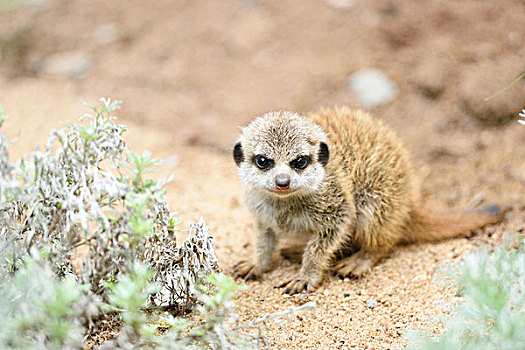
x: 371, y: 303
x: 372, y: 87
x: 106, y: 34
x: 69, y: 64
x: 341, y: 4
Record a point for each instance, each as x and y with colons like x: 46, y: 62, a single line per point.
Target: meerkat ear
x: 323, y: 154
x: 238, y: 154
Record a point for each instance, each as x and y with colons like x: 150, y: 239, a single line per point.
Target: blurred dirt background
x: 191, y: 73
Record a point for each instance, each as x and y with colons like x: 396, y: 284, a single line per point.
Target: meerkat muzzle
x: 282, y: 182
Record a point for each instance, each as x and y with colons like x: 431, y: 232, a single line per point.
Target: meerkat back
x: 374, y: 171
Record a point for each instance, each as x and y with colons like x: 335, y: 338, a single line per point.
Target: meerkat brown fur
x: 334, y: 179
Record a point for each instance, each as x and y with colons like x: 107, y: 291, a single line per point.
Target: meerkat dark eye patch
x: 238, y: 154
x: 262, y: 162
x: 300, y: 163
x: 323, y: 154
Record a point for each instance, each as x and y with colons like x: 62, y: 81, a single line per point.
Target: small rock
x: 69, y: 64
x: 106, y: 34
x: 399, y: 324
x: 249, y: 4
x: 341, y: 4
x: 372, y: 87
x: 371, y: 303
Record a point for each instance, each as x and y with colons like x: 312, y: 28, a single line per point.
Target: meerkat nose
x: 282, y: 181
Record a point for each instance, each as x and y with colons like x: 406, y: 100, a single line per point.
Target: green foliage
x: 140, y: 166
x: 130, y: 295
x: 216, y: 305
x: 3, y: 116
x: 36, y: 308
x: 492, y: 315
x: 140, y: 225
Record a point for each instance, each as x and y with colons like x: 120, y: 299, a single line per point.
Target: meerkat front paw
x: 300, y: 283
x: 247, y: 270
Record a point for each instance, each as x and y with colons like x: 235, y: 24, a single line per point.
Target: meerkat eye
x: 262, y: 162
x: 300, y: 163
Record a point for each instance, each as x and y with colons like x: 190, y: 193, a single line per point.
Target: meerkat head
x: 282, y: 154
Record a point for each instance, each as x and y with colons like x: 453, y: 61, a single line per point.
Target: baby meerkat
x: 334, y: 179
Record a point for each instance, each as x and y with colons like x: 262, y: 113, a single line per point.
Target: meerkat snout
x: 282, y: 181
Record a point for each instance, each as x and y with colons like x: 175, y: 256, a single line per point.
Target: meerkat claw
x: 355, y: 265
x: 246, y: 270
x: 298, y: 284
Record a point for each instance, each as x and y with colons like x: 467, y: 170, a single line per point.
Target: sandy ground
x: 190, y: 73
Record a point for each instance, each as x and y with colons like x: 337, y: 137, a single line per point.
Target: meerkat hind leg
x: 245, y: 269
x: 372, y: 248
x: 358, y: 264
x: 373, y: 236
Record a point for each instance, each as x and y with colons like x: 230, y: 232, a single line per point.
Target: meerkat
x: 333, y: 179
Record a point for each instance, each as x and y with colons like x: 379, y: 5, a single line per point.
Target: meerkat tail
x: 429, y: 227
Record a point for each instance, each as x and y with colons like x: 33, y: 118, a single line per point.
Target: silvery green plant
x: 128, y: 297
x: 88, y: 200
x: 38, y: 310
x: 179, y: 268
x: 9, y: 185
x: 85, y: 208
x: 492, y: 315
